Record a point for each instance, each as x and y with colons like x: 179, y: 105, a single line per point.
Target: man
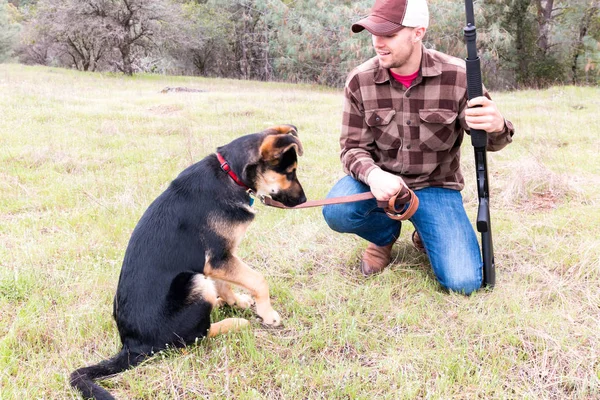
x: 405, y: 115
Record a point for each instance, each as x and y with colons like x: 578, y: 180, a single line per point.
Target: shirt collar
x: 429, y: 67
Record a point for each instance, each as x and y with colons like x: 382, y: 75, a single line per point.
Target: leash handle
x: 401, y: 206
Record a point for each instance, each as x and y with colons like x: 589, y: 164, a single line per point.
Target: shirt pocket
x: 384, y: 128
x: 437, y: 131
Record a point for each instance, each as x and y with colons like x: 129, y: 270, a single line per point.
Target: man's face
x: 395, y: 50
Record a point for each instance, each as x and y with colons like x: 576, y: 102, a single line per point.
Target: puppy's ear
x: 274, y: 146
x: 281, y: 129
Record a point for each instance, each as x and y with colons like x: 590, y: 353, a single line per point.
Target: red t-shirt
x: 406, y: 80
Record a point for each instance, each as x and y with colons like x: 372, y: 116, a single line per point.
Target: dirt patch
x: 165, y: 109
x: 543, y: 201
x: 180, y: 89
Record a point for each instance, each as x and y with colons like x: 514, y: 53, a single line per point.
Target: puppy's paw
x: 243, y: 300
x: 220, y: 302
x: 271, y: 318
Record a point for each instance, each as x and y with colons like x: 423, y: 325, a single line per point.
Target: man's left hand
x: 486, y: 118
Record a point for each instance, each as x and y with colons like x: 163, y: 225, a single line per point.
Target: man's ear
x: 419, y: 33
x: 274, y: 146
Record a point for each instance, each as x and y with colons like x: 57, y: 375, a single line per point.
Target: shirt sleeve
x: 496, y: 140
x: 356, y: 139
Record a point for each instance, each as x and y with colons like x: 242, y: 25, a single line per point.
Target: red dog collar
x: 227, y: 169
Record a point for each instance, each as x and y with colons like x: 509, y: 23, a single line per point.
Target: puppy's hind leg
x: 203, y: 288
x: 228, y: 324
x: 230, y: 297
x: 208, y: 289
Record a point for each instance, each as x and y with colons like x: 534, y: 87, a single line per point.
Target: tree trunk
x: 127, y: 61
x: 583, y: 29
x: 544, y: 20
x: 244, y: 62
x: 519, y: 13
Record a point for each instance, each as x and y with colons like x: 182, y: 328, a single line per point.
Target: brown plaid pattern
x: 415, y: 132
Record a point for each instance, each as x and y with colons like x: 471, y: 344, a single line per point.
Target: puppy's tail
x: 82, y: 379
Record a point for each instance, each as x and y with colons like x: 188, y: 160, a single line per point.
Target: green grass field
x: 82, y: 155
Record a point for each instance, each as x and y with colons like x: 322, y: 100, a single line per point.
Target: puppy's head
x: 277, y: 162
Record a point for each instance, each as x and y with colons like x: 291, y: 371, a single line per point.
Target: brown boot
x: 375, y: 258
x: 417, y: 242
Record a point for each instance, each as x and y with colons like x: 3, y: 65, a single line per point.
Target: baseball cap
x: 389, y: 16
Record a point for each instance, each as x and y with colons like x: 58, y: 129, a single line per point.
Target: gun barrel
x: 470, y: 12
x: 479, y: 142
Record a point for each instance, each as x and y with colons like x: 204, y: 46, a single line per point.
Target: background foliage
x: 523, y: 43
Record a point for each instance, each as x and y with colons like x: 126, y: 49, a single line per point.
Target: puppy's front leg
x: 237, y: 272
x: 230, y: 297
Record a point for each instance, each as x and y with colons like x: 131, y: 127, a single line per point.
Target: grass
x: 82, y: 155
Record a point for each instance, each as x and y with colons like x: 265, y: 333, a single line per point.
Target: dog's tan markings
x: 227, y: 325
x: 267, y: 148
x: 271, y: 152
x: 291, y: 168
x: 232, y: 232
x: 230, y: 297
x: 282, y: 129
x: 276, y: 181
x: 203, y: 288
x: 238, y: 273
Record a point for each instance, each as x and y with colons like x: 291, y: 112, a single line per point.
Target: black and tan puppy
x: 181, y: 262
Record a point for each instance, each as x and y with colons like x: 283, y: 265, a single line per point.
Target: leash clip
x: 251, y: 195
x: 262, y: 197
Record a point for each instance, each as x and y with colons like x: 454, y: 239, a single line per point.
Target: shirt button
x: 407, y: 94
x: 377, y: 119
x: 408, y: 122
x: 408, y: 146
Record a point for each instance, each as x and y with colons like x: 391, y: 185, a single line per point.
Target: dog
x: 180, y: 261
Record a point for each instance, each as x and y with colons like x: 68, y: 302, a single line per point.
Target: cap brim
x: 376, y: 26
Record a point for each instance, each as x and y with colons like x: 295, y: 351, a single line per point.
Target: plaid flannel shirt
x: 415, y: 133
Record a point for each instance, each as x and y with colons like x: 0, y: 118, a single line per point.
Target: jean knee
x: 465, y: 284
x: 336, y: 216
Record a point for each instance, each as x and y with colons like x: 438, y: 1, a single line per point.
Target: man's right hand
x: 383, y: 184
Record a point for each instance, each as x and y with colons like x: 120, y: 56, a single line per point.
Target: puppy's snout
x: 302, y: 198
x: 291, y: 197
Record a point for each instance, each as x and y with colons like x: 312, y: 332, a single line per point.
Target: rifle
x: 479, y: 142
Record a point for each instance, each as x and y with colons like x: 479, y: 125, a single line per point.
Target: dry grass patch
x: 532, y: 185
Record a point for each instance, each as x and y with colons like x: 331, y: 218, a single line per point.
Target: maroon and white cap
x: 389, y: 16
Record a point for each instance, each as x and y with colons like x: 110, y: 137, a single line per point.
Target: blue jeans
x: 441, y: 221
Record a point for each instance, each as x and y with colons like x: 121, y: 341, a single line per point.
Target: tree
x: 207, y: 39
x: 131, y: 26
x: 85, y: 33
x: 60, y: 31
x: 312, y: 41
x: 8, y: 31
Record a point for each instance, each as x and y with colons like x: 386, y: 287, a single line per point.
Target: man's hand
x: 486, y: 118
x: 383, y: 184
